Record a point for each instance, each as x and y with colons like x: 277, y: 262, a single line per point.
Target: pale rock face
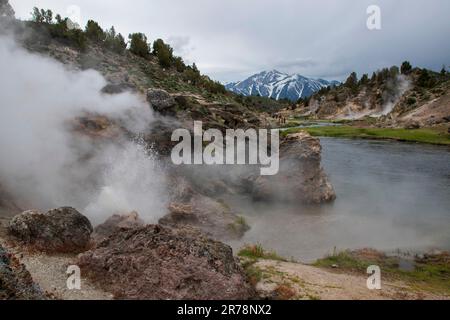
x: 301, y: 178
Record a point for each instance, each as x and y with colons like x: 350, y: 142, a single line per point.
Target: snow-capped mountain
x: 278, y: 85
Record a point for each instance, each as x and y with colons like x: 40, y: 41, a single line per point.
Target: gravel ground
x: 49, y: 271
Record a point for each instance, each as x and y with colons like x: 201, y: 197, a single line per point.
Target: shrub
x: 411, y: 100
x: 425, y: 79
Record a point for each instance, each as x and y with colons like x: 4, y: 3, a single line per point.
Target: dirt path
x: 49, y: 272
x: 298, y: 281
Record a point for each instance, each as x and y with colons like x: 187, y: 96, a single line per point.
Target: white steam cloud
x: 397, y: 89
x: 45, y: 165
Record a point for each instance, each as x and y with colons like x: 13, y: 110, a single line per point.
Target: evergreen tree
x: 425, y: 79
x: 443, y: 70
x: 37, y: 16
x: 164, y: 53
x: 352, y: 81
x: 139, y: 45
x: 364, y: 79
x: 179, y: 64
x: 48, y: 16
x: 394, y: 72
x: 406, y: 67
x: 114, y: 41
x: 94, y: 32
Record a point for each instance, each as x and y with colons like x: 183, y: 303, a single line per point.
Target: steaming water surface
x: 389, y: 196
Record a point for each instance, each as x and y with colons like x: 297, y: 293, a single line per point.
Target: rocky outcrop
x: 215, y: 218
x: 58, y: 230
x: 15, y: 281
x: 301, y: 178
x: 161, y: 101
x: 117, y: 223
x: 156, y: 262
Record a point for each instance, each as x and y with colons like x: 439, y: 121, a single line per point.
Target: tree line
x: 137, y: 44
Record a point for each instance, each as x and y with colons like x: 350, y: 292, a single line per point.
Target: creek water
x: 390, y: 196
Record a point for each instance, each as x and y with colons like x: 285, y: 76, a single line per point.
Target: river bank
x: 343, y: 276
x: 434, y: 135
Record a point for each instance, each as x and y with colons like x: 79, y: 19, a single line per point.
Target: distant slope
x: 278, y: 85
x: 412, y: 98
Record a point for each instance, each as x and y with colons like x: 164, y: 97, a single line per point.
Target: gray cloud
x: 235, y: 38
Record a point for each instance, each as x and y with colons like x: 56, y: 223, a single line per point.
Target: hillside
x: 196, y: 96
x: 410, y: 97
x: 279, y: 86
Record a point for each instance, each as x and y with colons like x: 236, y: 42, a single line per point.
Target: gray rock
x: 161, y: 101
x: 58, y: 230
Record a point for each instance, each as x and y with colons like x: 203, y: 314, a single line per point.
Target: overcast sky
x: 232, y: 39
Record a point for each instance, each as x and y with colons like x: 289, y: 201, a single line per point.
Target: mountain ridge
x: 279, y: 85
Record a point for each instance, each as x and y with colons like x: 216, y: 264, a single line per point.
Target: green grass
x: 433, y: 276
x: 430, y: 136
x: 256, y: 252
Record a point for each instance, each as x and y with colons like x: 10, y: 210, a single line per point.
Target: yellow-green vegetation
x: 239, y: 226
x: 425, y: 135
x: 431, y: 272
x: 256, y: 252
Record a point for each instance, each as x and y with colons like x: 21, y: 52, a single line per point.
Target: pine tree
x: 406, y: 67
x: 352, y: 81
x: 94, y: 32
x: 164, y: 53
x: 37, y: 16
x: 364, y: 79
x: 139, y: 45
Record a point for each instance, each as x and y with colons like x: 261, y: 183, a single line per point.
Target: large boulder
x: 301, y: 178
x: 156, y: 262
x: 161, y: 101
x: 58, y: 230
x: 16, y: 282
